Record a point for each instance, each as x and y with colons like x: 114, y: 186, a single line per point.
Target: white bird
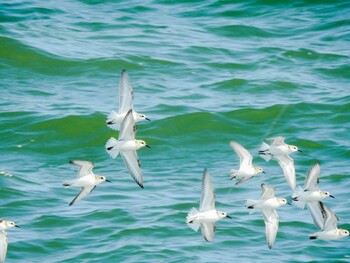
x: 207, y: 215
x: 311, y: 195
x: 127, y: 146
x: 246, y: 169
x: 87, y: 180
x: 126, y: 100
x: 330, y: 231
x: 4, y: 225
x: 268, y: 204
x: 279, y: 150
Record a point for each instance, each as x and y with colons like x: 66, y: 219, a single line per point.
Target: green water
x: 206, y: 73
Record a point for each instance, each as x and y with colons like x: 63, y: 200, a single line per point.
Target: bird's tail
x: 189, y: 219
x: 112, y: 121
x: 67, y: 183
x: 264, y: 151
x: 313, y: 236
x: 295, y: 195
x: 249, y: 204
x: 111, y: 149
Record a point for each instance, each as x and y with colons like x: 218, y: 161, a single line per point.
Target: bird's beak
x: 263, y: 172
x: 228, y: 216
x: 148, y: 146
x: 17, y: 226
x: 300, y: 151
x: 148, y: 119
x: 108, y: 181
x: 331, y: 196
x: 289, y: 204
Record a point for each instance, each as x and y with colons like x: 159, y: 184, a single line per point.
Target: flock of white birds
x: 311, y: 196
x: 127, y: 145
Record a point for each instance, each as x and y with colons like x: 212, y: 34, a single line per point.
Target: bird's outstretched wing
x: 85, y: 167
x: 132, y: 162
x: 126, y: 93
x: 3, y: 246
x: 208, y: 231
x: 244, y: 156
x: 317, y: 213
x: 208, y: 196
x: 313, y: 177
x: 84, y: 192
x: 267, y: 191
x: 287, y: 165
x: 127, y: 128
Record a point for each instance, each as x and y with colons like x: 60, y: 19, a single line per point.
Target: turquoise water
x: 205, y: 72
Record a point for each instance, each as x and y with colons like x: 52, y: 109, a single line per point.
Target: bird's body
x: 127, y: 146
x: 280, y: 151
x: 123, y: 146
x: 126, y: 101
x: 246, y: 169
x: 268, y: 204
x: 115, y: 119
x: 86, y: 179
x: 310, y: 196
x: 207, y: 215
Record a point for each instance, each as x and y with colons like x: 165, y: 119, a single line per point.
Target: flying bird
x: 311, y: 195
x: 246, y: 169
x: 87, y: 180
x: 268, y: 204
x: 207, y: 215
x: 330, y: 231
x: 280, y: 151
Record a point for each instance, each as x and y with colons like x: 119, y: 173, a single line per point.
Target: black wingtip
x: 207, y: 239
x: 71, y: 161
x: 139, y: 184
x: 313, y: 237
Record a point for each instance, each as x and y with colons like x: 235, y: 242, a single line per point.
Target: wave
x: 25, y: 57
